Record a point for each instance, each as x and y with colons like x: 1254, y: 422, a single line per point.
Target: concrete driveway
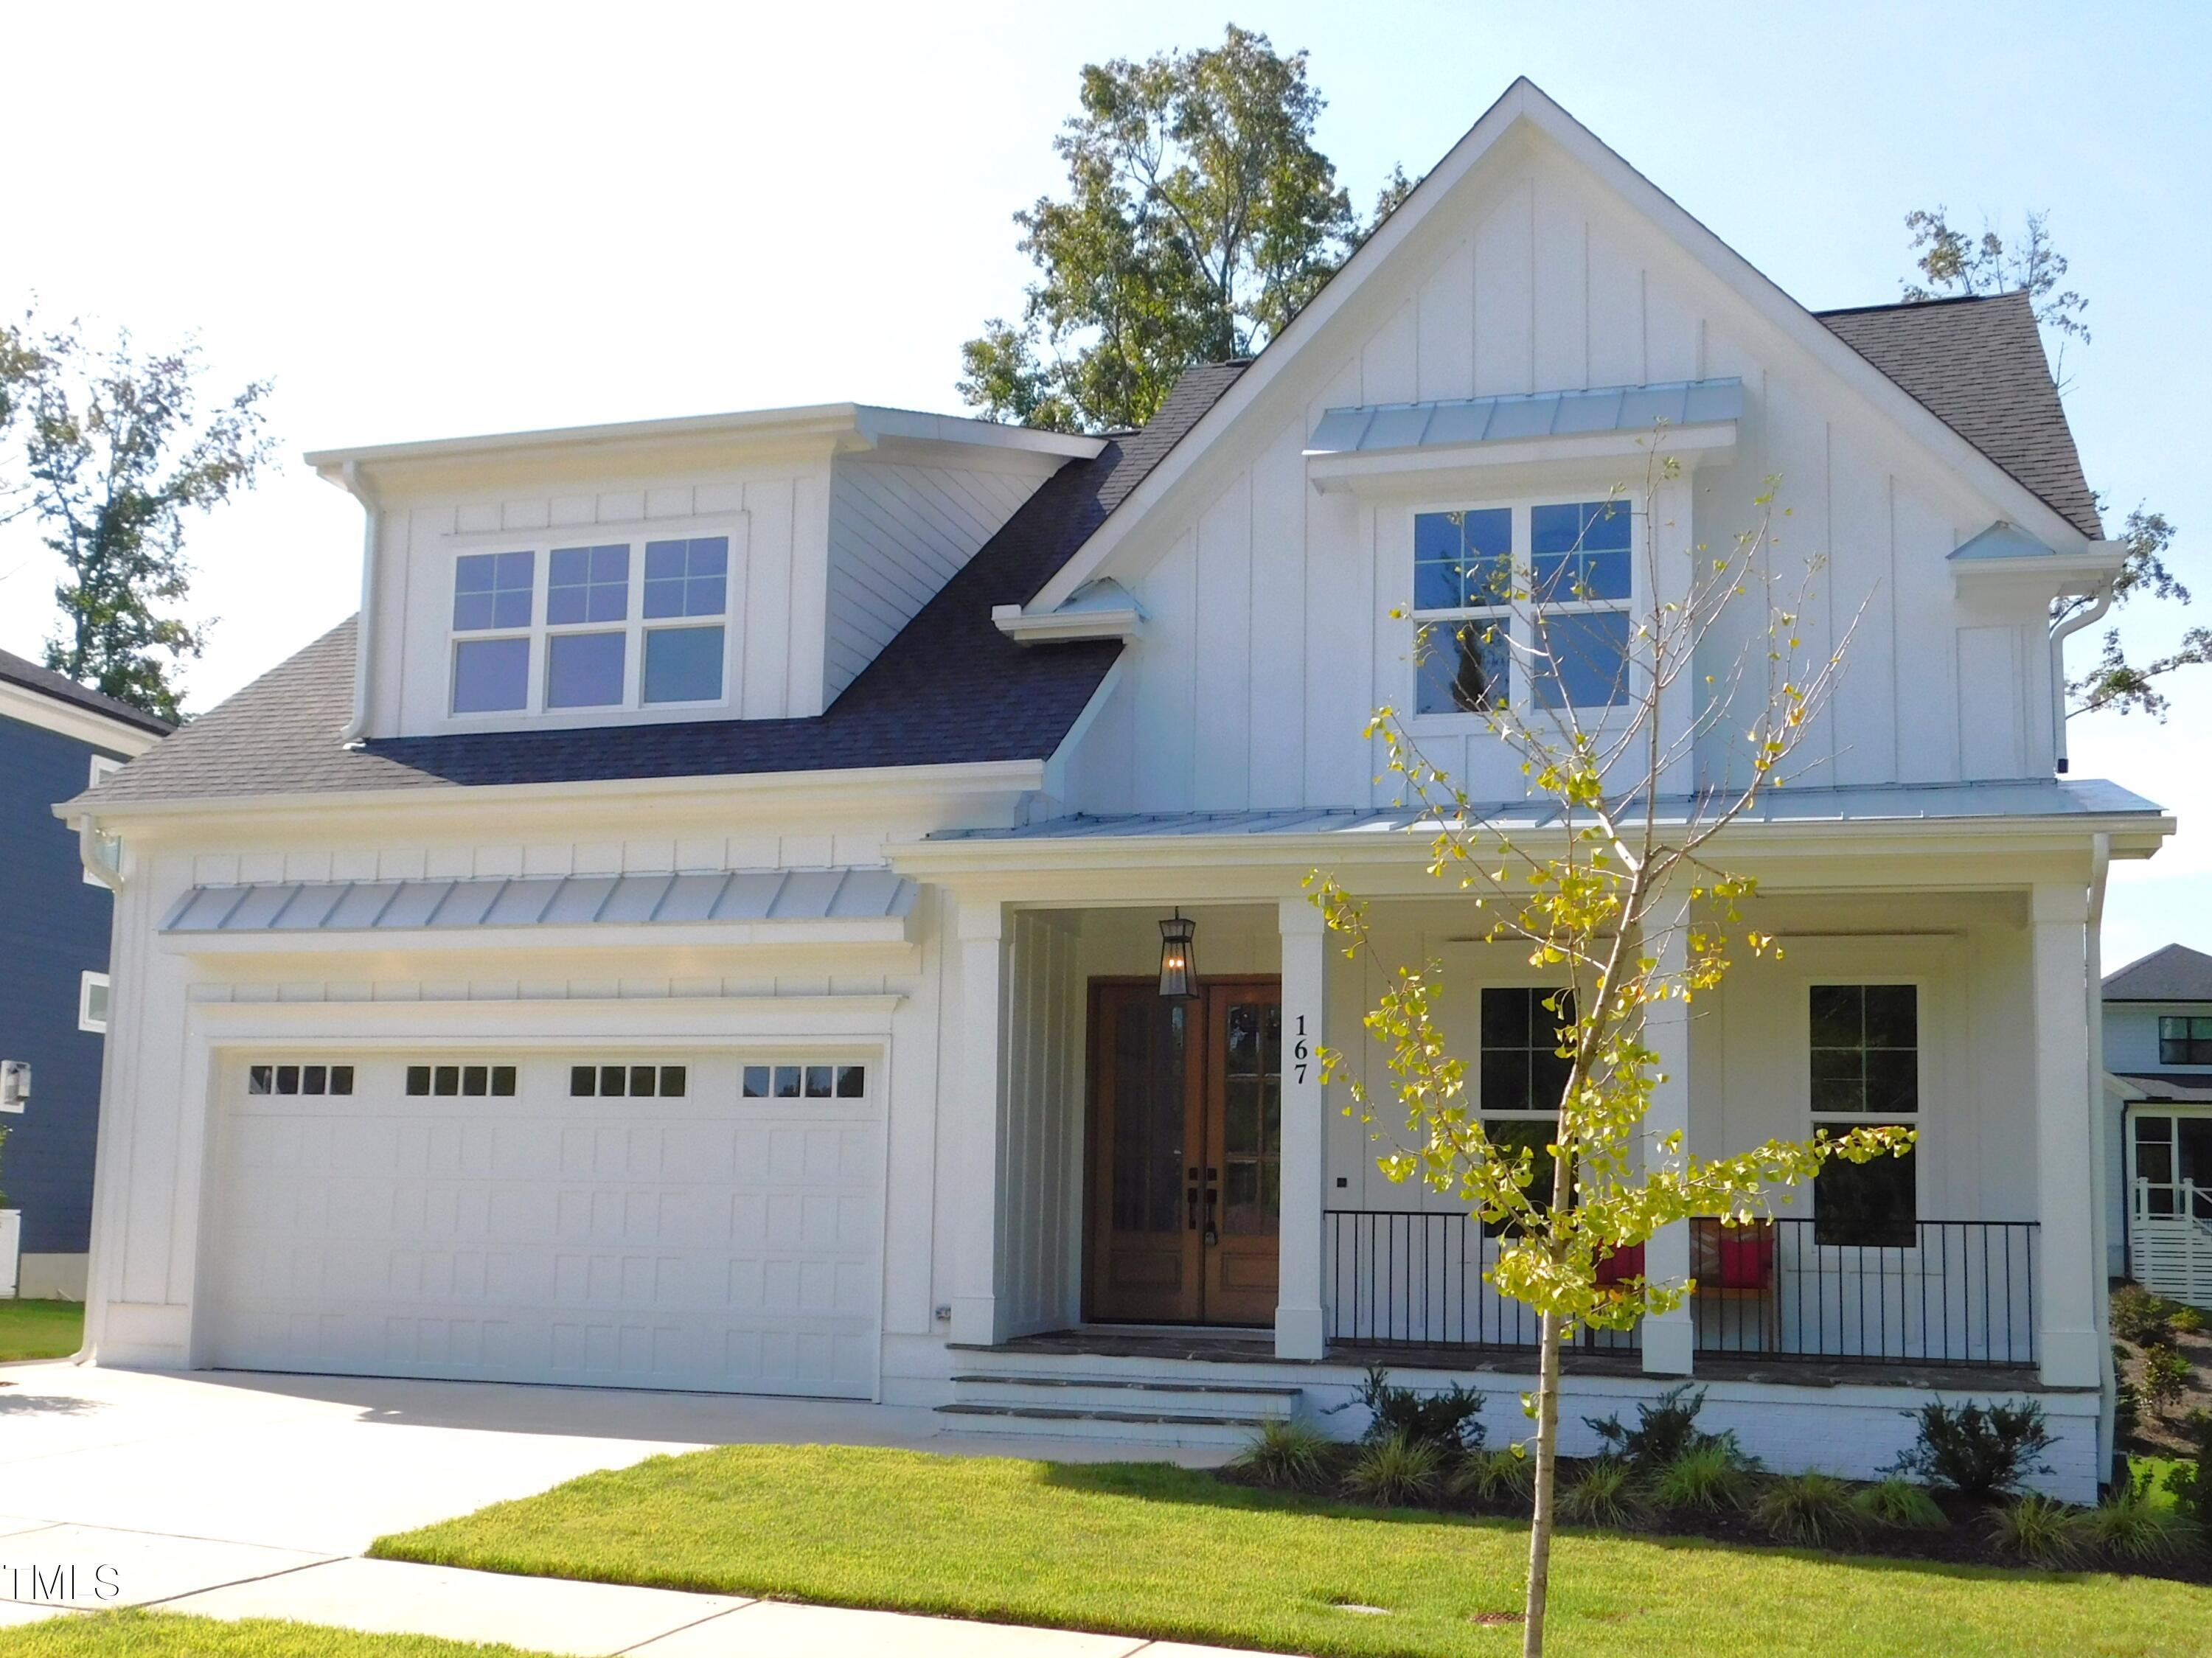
x: 239, y: 1494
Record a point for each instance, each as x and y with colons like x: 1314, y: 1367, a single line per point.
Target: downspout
x: 2059, y: 634
x: 363, y: 624
x: 2101, y: 861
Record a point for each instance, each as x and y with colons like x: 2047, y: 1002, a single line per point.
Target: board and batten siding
x: 1268, y: 642
x: 898, y: 532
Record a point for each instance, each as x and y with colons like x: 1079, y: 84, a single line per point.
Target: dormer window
x: 1566, y: 640
x: 619, y: 630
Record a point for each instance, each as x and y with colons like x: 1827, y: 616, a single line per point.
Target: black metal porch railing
x: 1403, y: 1278
x: 1961, y: 1292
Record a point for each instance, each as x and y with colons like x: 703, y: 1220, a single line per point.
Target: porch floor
x: 1231, y: 1346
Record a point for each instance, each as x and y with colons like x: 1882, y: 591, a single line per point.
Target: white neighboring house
x: 699, y: 928
x: 2158, y: 1055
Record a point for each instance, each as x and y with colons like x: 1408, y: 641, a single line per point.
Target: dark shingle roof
x: 2175, y: 974
x: 29, y: 676
x: 951, y: 688
x: 2174, y: 1087
x: 1977, y: 364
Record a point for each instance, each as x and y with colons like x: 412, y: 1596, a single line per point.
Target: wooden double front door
x: 1186, y: 1141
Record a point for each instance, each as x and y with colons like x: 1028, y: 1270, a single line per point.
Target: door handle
x: 1212, y: 1232
x: 1191, y: 1193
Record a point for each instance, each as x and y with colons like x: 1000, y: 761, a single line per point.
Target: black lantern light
x: 1178, y: 959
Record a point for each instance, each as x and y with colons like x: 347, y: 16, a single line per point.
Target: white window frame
x: 1522, y: 505
x: 102, y: 766
x: 1925, y: 1030
x: 633, y: 627
x: 85, y: 981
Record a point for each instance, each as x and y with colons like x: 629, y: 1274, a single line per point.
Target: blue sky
x: 432, y: 220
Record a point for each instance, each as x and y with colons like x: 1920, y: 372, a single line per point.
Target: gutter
x: 2059, y: 634
x: 352, y: 482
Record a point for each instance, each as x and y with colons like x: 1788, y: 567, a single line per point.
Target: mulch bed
x: 1964, y: 1542
x: 2154, y: 1434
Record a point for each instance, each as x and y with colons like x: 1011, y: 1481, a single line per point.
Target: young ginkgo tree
x: 1625, y: 900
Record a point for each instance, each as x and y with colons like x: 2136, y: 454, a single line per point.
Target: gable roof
x: 26, y: 675
x: 2174, y: 974
x: 950, y: 689
x: 1525, y: 103
x: 1978, y: 365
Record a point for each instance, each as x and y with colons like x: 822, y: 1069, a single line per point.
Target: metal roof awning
x: 764, y: 906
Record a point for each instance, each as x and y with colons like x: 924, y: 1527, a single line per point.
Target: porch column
x: 2070, y: 1274
x: 1300, y: 1331
x: 1670, y: 1339
x: 980, y: 1142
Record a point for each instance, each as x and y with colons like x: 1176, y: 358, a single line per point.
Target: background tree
x: 1198, y: 218
x: 1628, y: 906
x: 1954, y: 264
x: 117, y: 458
x: 21, y: 364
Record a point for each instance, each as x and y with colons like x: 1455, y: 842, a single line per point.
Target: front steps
x: 1123, y: 1409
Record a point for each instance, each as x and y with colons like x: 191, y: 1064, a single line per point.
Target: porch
x: 1974, y: 1263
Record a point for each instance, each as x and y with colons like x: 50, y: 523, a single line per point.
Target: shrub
x: 1665, y: 1429
x: 1980, y: 1451
x: 2187, y: 1321
x: 1396, y: 1471
x: 2129, y: 1528
x: 2040, y: 1530
x: 1451, y: 1420
x: 2188, y: 1481
x: 1287, y: 1455
x: 1899, y: 1505
x: 1501, y: 1476
x: 2140, y: 1317
x: 1812, y: 1510
x: 1604, y: 1494
x: 2165, y: 1376
x: 1713, y: 1479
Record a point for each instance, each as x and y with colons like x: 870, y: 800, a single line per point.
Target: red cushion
x: 1747, y: 1258
x: 1622, y: 1265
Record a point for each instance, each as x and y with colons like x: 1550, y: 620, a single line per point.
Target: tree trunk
x: 1540, y: 1525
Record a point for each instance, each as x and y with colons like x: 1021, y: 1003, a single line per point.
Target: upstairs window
x: 1568, y: 639
x: 2185, y: 1041
x: 625, y: 625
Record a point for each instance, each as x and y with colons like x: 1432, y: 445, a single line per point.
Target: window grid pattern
x: 1521, y: 1076
x: 2184, y: 1040
x: 299, y: 1079
x: 464, y: 1081
x: 1569, y: 561
x: 626, y: 1081
x: 815, y: 1080
x: 1865, y: 1072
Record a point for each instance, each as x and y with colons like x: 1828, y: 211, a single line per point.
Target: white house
x: 2158, y: 1051
x: 698, y: 927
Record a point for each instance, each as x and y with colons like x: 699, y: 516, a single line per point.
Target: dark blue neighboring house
x: 56, y: 736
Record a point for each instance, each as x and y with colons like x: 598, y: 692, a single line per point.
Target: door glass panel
x: 2154, y: 1160
x: 1243, y: 1039
x: 1241, y: 1130
x: 2193, y: 1142
x: 1252, y: 1129
x: 1148, y: 1114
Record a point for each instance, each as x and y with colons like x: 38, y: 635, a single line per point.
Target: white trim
x: 1524, y: 103
x: 101, y: 767
x: 1388, y: 471
x: 65, y: 718
x: 1123, y: 622
x: 86, y: 982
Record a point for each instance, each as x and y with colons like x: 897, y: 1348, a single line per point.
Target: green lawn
x: 173, y: 1635
x: 41, y: 1329
x: 1149, y: 1549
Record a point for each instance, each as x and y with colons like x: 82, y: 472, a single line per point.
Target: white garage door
x: 708, y: 1223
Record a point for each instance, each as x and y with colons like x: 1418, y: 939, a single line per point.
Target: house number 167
x: 1302, y: 1051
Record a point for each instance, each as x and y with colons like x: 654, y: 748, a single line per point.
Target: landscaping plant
x: 1499, y: 1476
x: 2129, y: 1529
x: 2167, y: 1374
x: 1981, y: 1451
x: 2140, y: 1317
x: 2186, y: 1322
x: 1622, y: 898
x: 2040, y: 1530
x: 1396, y: 1472
x: 1603, y: 1494
x: 1898, y: 1504
x: 1713, y: 1479
x: 1287, y: 1456
x: 1451, y: 1420
x: 1812, y: 1510
x: 1666, y: 1429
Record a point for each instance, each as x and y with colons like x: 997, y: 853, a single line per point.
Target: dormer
x: 743, y: 565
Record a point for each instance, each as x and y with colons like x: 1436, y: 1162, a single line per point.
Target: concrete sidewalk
x: 238, y: 1496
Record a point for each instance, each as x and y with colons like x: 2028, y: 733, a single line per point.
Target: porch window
x: 1571, y: 558
x: 1523, y: 1075
x: 1865, y: 1072
x: 2185, y: 1041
